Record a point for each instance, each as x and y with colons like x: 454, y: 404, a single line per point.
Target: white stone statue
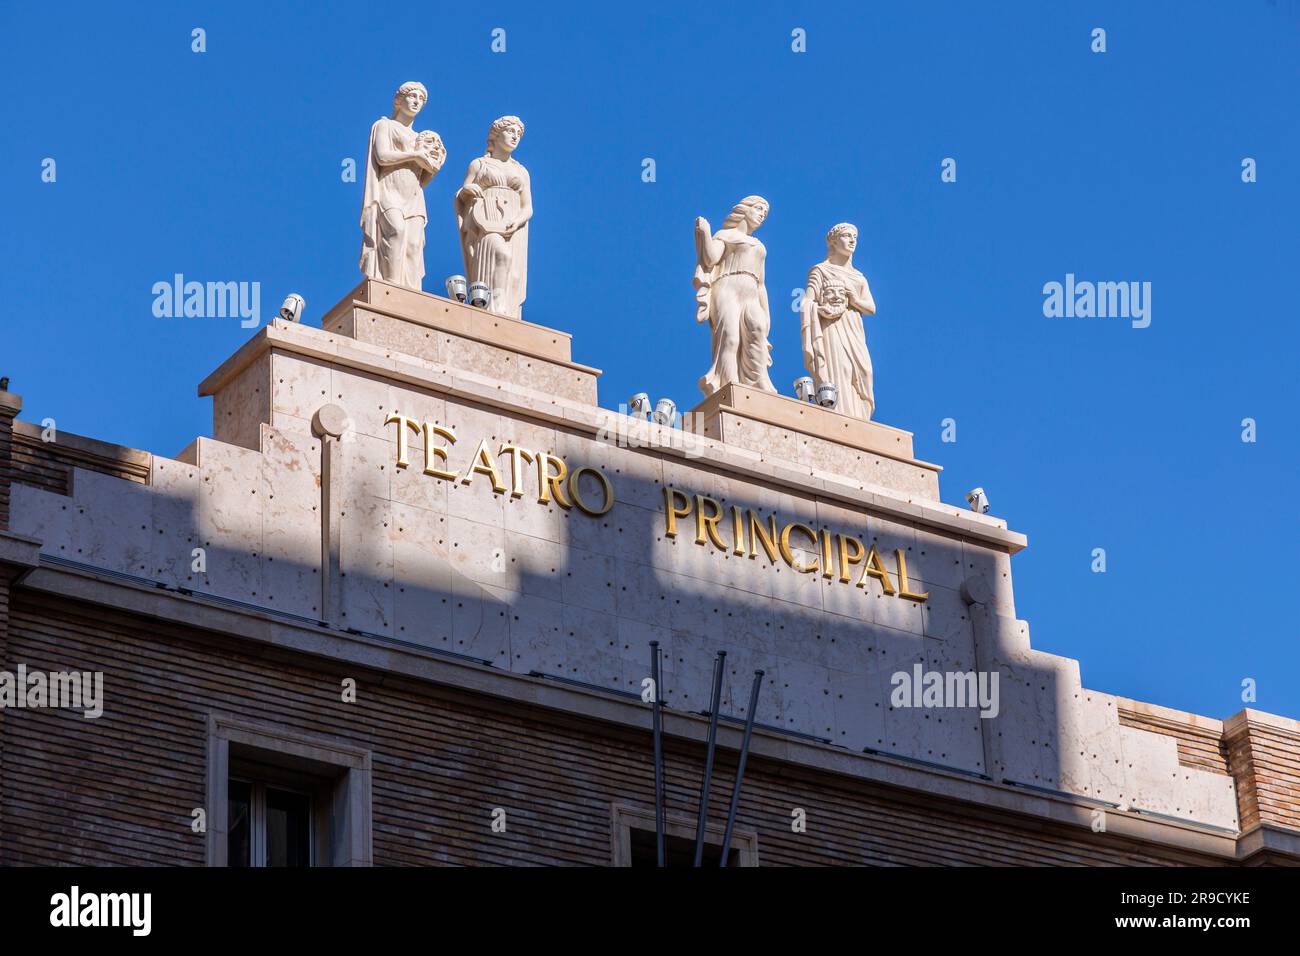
x: 492, y: 213
x: 731, y: 297
x: 834, y: 342
x: 399, y: 164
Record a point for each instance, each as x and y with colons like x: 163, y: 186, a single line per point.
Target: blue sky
x: 1122, y: 166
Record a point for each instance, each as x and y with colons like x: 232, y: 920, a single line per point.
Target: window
x: 635, y: 844
x: 269, y: 825
x: 277, y: 798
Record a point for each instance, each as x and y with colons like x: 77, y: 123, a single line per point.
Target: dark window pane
x: 678, y: 851
x: 238, y: 829
x: 288, y: 828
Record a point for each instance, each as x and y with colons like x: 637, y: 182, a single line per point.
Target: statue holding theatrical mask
x: 399, y: 164
x: 492, y: 213
x: 834, y: 341
x: 731, y: 296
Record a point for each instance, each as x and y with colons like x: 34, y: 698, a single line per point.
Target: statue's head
x: 751, y: 210
x: 409, y: 99
x: 506, y: 133
x: 842, y: 238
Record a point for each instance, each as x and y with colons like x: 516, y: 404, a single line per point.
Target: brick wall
x: 120, y: 789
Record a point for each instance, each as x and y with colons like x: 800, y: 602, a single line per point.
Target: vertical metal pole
x: 718, y: 666
x: 657, y: 723
x: 740, y: 767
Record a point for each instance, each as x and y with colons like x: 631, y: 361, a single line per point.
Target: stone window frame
x: 349, y: 838
x: 623, y: 817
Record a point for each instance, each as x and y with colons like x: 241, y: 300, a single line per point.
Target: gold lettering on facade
x: 845, y: 550
x: 876, y: 569
x: 434, y: 452
x: 851, y: 553
x: 403, y: 442
x: 749, y: 530
x: 484, y: 463
x: 517, y: 458
x: 904, y: 587
x: 788, y: 554
x: 674, y: 509
x: 764, y: 535
x: 547, y: 483
x: 606, y: 488
x: 708, y: 521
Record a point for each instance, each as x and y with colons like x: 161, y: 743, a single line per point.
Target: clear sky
x: 1117, y: 166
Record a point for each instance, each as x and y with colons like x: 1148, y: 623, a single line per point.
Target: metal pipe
x: 656, y: 719
x: 718, y: 665
x: 740, y: 767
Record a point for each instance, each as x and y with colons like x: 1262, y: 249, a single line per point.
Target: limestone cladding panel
x: 819, y: 456
x: 240, y: 408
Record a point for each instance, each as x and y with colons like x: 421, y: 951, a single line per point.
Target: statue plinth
x: 452, y: 333
x: 816, y: 438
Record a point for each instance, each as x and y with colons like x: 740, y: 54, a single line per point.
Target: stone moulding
x: 590, y: 420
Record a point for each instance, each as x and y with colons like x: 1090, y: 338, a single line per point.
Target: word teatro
x: 836, y: 555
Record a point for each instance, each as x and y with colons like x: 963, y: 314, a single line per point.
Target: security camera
x: 827, y: 395
x: 639, y: 404
x: 805, y: 389
x: 665, y: 411
x: 457, y: 288
x: 978, y: 501
x: 480, y: 296
x: 291, y: 310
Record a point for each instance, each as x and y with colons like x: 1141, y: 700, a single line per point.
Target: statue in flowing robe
x: 834, y: 341
x: 492, y: 213
x: 731, y: 296
x: 399, y: 164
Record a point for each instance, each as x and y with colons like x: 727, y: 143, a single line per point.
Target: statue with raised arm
x: 731, y: 296
x: 399, y: 164
x: 834, y: 341
x: 492, y: 213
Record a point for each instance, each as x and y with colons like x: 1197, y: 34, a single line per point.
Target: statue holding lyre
x: 492, y: 213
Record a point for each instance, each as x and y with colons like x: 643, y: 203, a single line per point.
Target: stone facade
x: 356, y: 550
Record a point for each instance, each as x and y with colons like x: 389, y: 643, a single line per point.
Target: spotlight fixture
x: 827, y: 395
x: 804, y: 388
x: 665, y: 411
x: 978, y: 501
x: 457, y: 288
x: 639, y: 404
x: 480, y: 296
x: 291, y: 310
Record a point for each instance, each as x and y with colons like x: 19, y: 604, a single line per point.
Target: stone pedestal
x: 823, y: 441
x: 451, y: 333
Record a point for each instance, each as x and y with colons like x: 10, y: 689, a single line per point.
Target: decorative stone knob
x: 330, y: 421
